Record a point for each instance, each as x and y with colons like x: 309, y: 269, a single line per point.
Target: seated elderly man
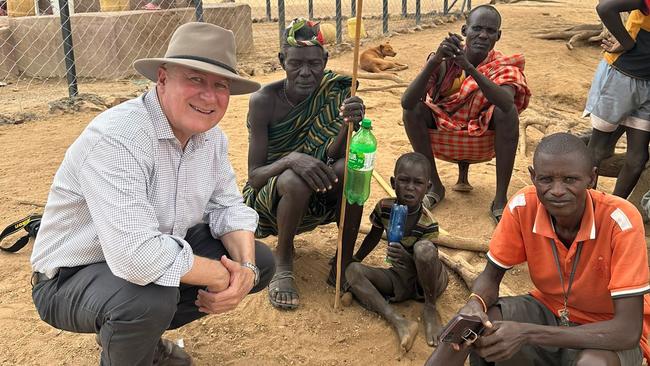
x: 587, y: 258
x: 144, y: 229
x: 464, y: 105
x: 297, y: 129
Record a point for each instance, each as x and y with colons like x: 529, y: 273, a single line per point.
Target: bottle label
x: 361, y: 161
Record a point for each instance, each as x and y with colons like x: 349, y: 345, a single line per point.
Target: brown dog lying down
x: 372, y: 59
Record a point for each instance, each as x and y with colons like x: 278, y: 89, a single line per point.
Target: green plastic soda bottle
x: 361, y: 161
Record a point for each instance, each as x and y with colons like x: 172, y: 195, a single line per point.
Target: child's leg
x: 369, y: 285
x: 433, y: 279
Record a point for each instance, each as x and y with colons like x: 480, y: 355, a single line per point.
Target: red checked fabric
x: 467, y: 113
x: 454, y: 146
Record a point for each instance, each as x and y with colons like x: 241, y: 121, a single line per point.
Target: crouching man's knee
x: 151, y: 310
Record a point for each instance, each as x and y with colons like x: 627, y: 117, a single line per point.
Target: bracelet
x: 485, y: 309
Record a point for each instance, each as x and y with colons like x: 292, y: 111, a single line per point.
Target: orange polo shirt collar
x: 544, y: 225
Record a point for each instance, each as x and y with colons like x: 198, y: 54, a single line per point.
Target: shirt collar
x: 544, y: 225
x: 161, y: 123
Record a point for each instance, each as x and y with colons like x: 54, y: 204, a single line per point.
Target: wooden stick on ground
x: 353, y: 89
x: 382, y: 88
x: 451, y: 241
x: 371, y: 76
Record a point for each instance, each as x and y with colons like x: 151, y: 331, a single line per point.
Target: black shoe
x: 169, y: 353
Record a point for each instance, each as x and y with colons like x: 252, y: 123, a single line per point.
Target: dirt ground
x: 315, y: 334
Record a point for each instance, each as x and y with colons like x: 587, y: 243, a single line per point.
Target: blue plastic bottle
x: 396, y: 224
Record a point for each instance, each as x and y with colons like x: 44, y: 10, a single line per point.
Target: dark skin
x: 609, y: 12
x: 370, y: 285
x: 562, y: 183
x: 481, y: 33
x: 299, y: 175
x: 637, y: 140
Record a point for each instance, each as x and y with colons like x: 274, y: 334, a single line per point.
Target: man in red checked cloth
x: 464, y: 106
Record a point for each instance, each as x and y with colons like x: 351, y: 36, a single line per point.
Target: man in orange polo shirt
x: 586, y: 255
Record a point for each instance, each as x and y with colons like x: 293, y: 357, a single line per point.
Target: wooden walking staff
x: 353, y: 90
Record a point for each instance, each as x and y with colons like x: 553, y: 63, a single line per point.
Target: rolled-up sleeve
x: 114, y: 178
x: 226, y: 211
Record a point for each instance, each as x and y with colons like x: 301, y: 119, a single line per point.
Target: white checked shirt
x: 126, y: 193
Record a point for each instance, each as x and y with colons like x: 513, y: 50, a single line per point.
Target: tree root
x: 584, y: 35
x: 459, y: 265
x: 541, y: 125
x: 591, y: 33
x: 581, y: 32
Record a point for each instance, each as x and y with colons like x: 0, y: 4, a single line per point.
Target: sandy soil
x: 314, y: 334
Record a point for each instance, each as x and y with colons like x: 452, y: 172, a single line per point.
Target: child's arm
x: 369, y: 243
x: 609, y: 12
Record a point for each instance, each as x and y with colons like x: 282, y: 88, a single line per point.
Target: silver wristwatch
x: 255, y: 270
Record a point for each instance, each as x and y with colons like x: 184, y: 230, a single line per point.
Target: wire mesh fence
x: 67, y: 45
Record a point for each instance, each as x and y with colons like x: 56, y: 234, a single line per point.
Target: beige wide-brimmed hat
x: 203, y: 47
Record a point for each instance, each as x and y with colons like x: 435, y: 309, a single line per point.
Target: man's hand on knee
x: 241, y: 283
x: 314, y: 172
x: 504, y: 340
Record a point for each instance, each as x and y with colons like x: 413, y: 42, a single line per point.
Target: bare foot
x: 431, y: 324
x: 406, y: 331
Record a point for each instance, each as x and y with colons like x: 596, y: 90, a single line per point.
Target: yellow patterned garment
x: 634, y: 62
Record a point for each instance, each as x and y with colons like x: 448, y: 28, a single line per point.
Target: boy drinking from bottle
x: 415, y: 270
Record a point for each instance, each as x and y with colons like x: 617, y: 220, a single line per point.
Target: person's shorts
x: 526, y: 309
x: 615, y: 98
x: 406, y: 285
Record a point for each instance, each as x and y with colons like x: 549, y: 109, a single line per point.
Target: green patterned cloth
x: 309, y: 128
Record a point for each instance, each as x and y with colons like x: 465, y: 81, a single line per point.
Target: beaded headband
x: 298, y: 23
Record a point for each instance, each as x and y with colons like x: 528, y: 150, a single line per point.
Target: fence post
x: 353, y: 8
x: 281, y: 19
x: 198, y: 10
x: 404, y: 10
x: 445, y: 7
x: 268, y: 10
x: 418, y: 16
x: 310, y: 9
x: 384, y: 4
x: 339, y: 21
x: 68, y: 51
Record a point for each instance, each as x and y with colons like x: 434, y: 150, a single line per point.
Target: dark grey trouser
x: 526, y: 309
x: 130, y: 318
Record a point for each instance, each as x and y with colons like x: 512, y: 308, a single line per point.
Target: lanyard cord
x: 573, y: 269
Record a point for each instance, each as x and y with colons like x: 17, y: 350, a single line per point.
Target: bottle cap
x: 366, y: 123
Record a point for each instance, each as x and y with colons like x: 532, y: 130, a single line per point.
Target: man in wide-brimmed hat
x: 145, y: 229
